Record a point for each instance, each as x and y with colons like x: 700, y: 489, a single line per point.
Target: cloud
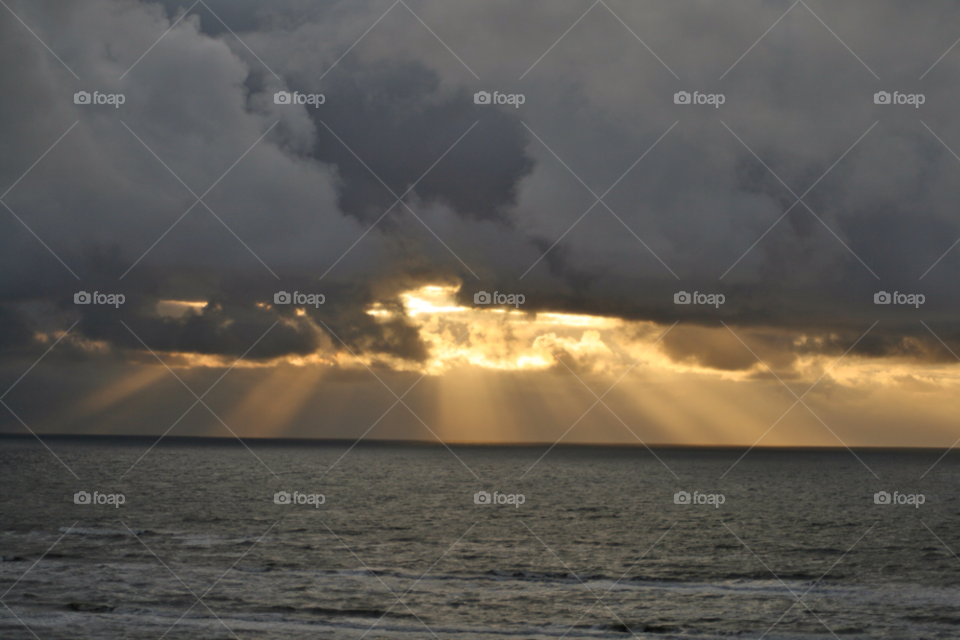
x: 522, y: 183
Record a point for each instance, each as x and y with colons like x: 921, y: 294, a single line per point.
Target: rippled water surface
x: 399, y: 549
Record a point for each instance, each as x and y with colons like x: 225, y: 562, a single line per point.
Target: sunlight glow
x: 502, y: 374
x: 178, y: 308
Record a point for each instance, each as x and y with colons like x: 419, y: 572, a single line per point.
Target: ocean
x: 199, y: 539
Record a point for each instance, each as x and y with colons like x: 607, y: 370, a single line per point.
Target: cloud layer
x: 598, y: 196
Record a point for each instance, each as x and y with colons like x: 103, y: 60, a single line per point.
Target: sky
x: 591, y: 201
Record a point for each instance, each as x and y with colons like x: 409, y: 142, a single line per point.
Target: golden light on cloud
x: 431, y: 299
x: 178, y: 308
x: 573, y: 320
x: 699, y: 385
x: 501, y: 338
x: 508, y: 339
x: 502, y: 374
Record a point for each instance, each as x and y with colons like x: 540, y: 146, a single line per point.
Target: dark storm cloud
x: 15, y: 330
x: 501, y: 199
x: 237, y: 313
x: 397, y: 119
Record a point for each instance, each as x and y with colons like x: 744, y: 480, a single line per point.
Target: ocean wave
x: 106, y: 533
x: 761, y: 583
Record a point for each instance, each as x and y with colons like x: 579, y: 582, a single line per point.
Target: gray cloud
x: 699, y: 199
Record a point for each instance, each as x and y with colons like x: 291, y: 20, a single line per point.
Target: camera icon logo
x: 482, y: 297
x: 882, y: 297
x: 82, y: 297
x: 682, y: 297
x: 881, y: 97
x: 81, y: 497
x: 281, y: 497
x: 681, y: 497
x: 681, y: 97
x: 281, y: 97
x: 482, y: 497
x: 481, y: 97
x: 81, y: 97
x: 881, y: 497
x: 282, y: 297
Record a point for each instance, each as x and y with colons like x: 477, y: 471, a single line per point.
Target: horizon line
x: 435, y: 443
